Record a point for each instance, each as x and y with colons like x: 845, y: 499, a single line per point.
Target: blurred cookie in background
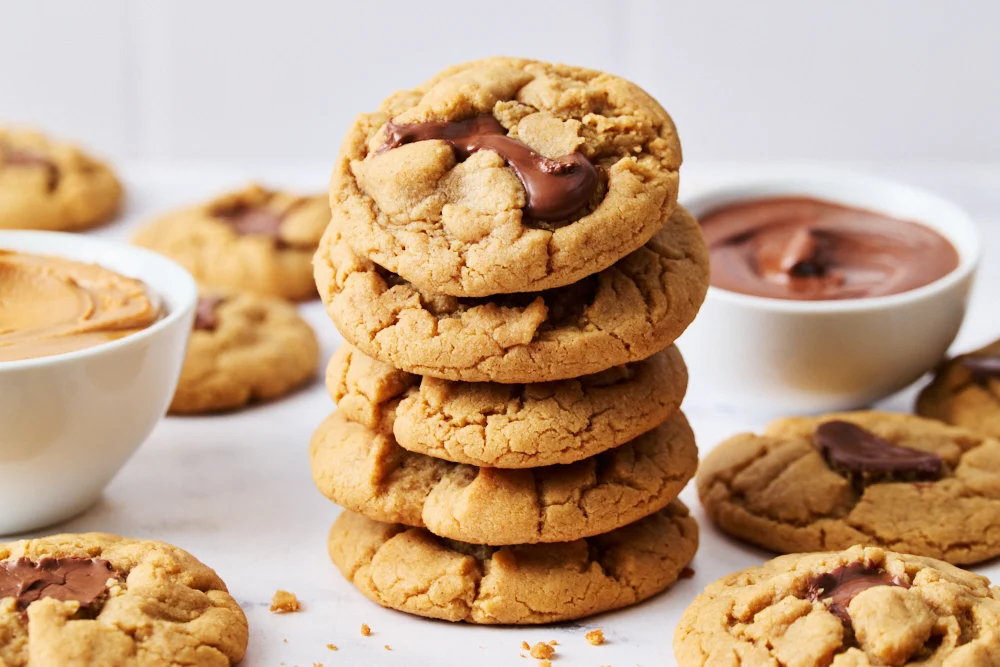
x: 965, y: 391
x: 244, y: 348
x: 256, y: 239
x: 54, y: 186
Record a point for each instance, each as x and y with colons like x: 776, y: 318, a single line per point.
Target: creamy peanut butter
x: 50, y: 305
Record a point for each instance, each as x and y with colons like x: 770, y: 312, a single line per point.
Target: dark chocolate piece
x: 554, y: 189
x: 205, y: 318
x: 253, y: 221
x: 26, y: 157
x: 984, y: 367
x: 867, y: 458
x: 843, y: 584
x: 80, y: 579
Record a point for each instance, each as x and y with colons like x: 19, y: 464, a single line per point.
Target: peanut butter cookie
x: 411, y: 570
x: 243, y: 348
x: 510, y: 426
x: 99, y: 599
x: 254, y: 240
x: 623, y: 314
x: 966, y: 391
x: 50, y: 185
x: 364, y: 470
x: 857, y: 608
x: 506, y: 175
x: 890, y: 480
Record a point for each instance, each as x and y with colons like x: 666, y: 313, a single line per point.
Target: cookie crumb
x: 285, y: 640
x: 526, y: 646
x: 365, y: 630
x: 542, y: 651
x: 553, y: 642
x: 545, y: 663
x: 284, y: 602
x: 317, y: 664
x: 686, y: 573
x: 387, y: 647
x: 332, y: 647
x: 595, y: 637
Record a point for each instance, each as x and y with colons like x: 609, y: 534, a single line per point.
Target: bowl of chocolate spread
x: 829, y: 290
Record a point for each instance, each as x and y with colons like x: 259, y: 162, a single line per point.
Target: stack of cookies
x: 510, y: 268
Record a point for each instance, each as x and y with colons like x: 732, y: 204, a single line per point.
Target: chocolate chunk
x: 844, y: 583
x: 983, y: 367
x: 26, y: 157
x: 80, y: 579
x: 554, y: 189
x: 253, y: 221
x: 867, y: 458
x: 205, y: 317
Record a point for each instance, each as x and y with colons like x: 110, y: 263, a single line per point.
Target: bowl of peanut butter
x: 92, y: 339
x: 829, y: 290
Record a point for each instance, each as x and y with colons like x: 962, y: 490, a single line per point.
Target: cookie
x: 891, y: 480
x: 364, y: 470
x: 622, y: 314
x: 860, y: 607
x: 244, y: 348
x: 510, y: 426
x: 411, y: 570
x: 966, y: 391
x: 99, y: 599
x: 506, y: 175
x: 255, y: 239
x: 50, y: 185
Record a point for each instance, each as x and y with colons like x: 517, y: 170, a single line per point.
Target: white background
x: 859, y: 80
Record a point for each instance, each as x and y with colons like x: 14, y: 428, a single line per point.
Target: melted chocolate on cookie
x: 866, y: 458
x: 843, y: 584
x: 26, y: 157
x: 253, y: 221
x: 983, y: 367
x: 80, y: 579
x: 205, y: 318
x: 554, y: 189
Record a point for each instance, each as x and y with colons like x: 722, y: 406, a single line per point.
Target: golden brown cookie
x: 510, y: 426
x: 45, y: 184
x: 255, y: 239
x: 857, y: 608
x: 623, y: 314
x: 244, y: 348
x: 99, y: 599
x: 572, y: 169
x: 966, y: 391
x: 411, y: 570
x: 364, y: 470
x: 891, y: 480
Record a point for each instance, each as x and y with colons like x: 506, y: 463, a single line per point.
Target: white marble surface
x: 235, y: 490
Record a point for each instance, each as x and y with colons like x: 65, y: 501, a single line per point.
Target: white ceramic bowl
x: 787, y: 356
x: 69, y: 422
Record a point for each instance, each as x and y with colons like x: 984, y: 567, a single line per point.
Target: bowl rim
x: 63, y: 245
x: 810, y: 181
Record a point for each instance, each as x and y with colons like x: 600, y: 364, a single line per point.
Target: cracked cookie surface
x: 777, y: 491
x: 411, y: 570
x: 252, y: 348
x: 255, y: 239
x: 928, y: 613
x: 364, y: 470
x: 160, y: 607
x: 958, y: 396
x: 461, y: 228
x: 54, y: 186
x: 510, y: 426
x: 625, y: 313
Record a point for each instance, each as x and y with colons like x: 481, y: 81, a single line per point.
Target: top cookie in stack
x: 538, y: 238
x: 510, y: 222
